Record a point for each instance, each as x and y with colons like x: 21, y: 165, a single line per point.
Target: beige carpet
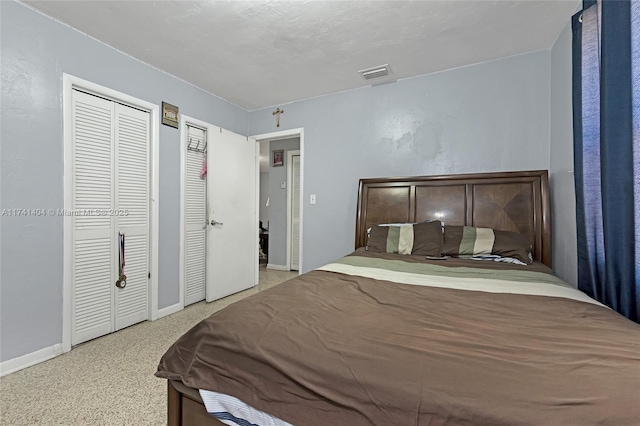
x: 85, y: 386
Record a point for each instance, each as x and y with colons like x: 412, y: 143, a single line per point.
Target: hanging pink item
x: 203, y: 172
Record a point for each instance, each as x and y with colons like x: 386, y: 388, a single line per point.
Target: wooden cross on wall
x: 277, y: 114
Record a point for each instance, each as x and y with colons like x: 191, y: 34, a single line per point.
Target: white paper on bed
x: 231, y: 411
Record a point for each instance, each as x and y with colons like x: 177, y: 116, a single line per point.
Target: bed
x: 387, y: 338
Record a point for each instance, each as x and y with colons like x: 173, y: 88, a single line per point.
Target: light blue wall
x: 35, y: 51
x: 487, y: 117
x: 278, y: 202
x: 563, y: 198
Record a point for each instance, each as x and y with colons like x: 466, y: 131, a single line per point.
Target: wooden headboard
x: 507, y: 201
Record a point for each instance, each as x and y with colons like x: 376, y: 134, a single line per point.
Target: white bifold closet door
x: 132, y: 197
x: 110, y: 195
x: 195, y: 218
x: 295, y: 213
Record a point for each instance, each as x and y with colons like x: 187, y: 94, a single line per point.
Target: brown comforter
x: 332, y: 349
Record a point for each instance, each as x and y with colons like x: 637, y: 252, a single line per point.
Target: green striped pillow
x: 472, y: 241
x: 424, y: 239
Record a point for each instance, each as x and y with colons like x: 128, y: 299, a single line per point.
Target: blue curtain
x: 606, y: 122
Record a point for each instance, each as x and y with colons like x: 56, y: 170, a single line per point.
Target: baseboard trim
x: 33, y: 358
x: 170, y: 310
x: 277, y: 267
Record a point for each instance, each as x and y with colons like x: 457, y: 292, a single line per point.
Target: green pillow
x: 423, y: 239
x: 472, y: 241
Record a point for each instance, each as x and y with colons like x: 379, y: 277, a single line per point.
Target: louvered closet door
x: 93, y: 245
x: 195, y: 218
x: 295, y: 213
x: 110, y: 195
x: 132, y: 198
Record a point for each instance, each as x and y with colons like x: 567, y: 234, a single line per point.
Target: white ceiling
x: 266, y: 53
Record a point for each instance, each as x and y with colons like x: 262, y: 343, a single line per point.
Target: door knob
x: 214, y: 222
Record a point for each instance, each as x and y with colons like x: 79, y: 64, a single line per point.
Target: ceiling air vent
x: 376, y: 72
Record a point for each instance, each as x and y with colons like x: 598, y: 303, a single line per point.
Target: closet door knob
x: 214, y: 222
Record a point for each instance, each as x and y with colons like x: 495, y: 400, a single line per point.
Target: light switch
x: 312, y: 199
x: 283, y: 184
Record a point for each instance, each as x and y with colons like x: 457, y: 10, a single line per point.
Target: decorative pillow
x: 471, y: 241
x: 423, y: 239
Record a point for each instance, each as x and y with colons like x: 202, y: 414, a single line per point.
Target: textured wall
x: 563, y: 198
x: 495, y: 116
x: 36, y: 51
x: 487, y: 117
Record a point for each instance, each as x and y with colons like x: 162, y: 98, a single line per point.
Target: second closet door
x: 196, y: 218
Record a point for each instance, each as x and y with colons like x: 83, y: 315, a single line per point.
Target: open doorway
x: 280, y: 204
x: 264, y: 201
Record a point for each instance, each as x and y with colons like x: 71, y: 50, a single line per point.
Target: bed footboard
x: 184, y: 409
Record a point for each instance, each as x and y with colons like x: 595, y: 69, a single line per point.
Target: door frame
x: 273, y: 136
x: 184, y: 119
x: 70, y: 82
x: 290, y: 155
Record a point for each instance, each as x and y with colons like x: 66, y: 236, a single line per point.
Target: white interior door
x: 195, y: 216
x: 295, y: 212
x: 232, y: 239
